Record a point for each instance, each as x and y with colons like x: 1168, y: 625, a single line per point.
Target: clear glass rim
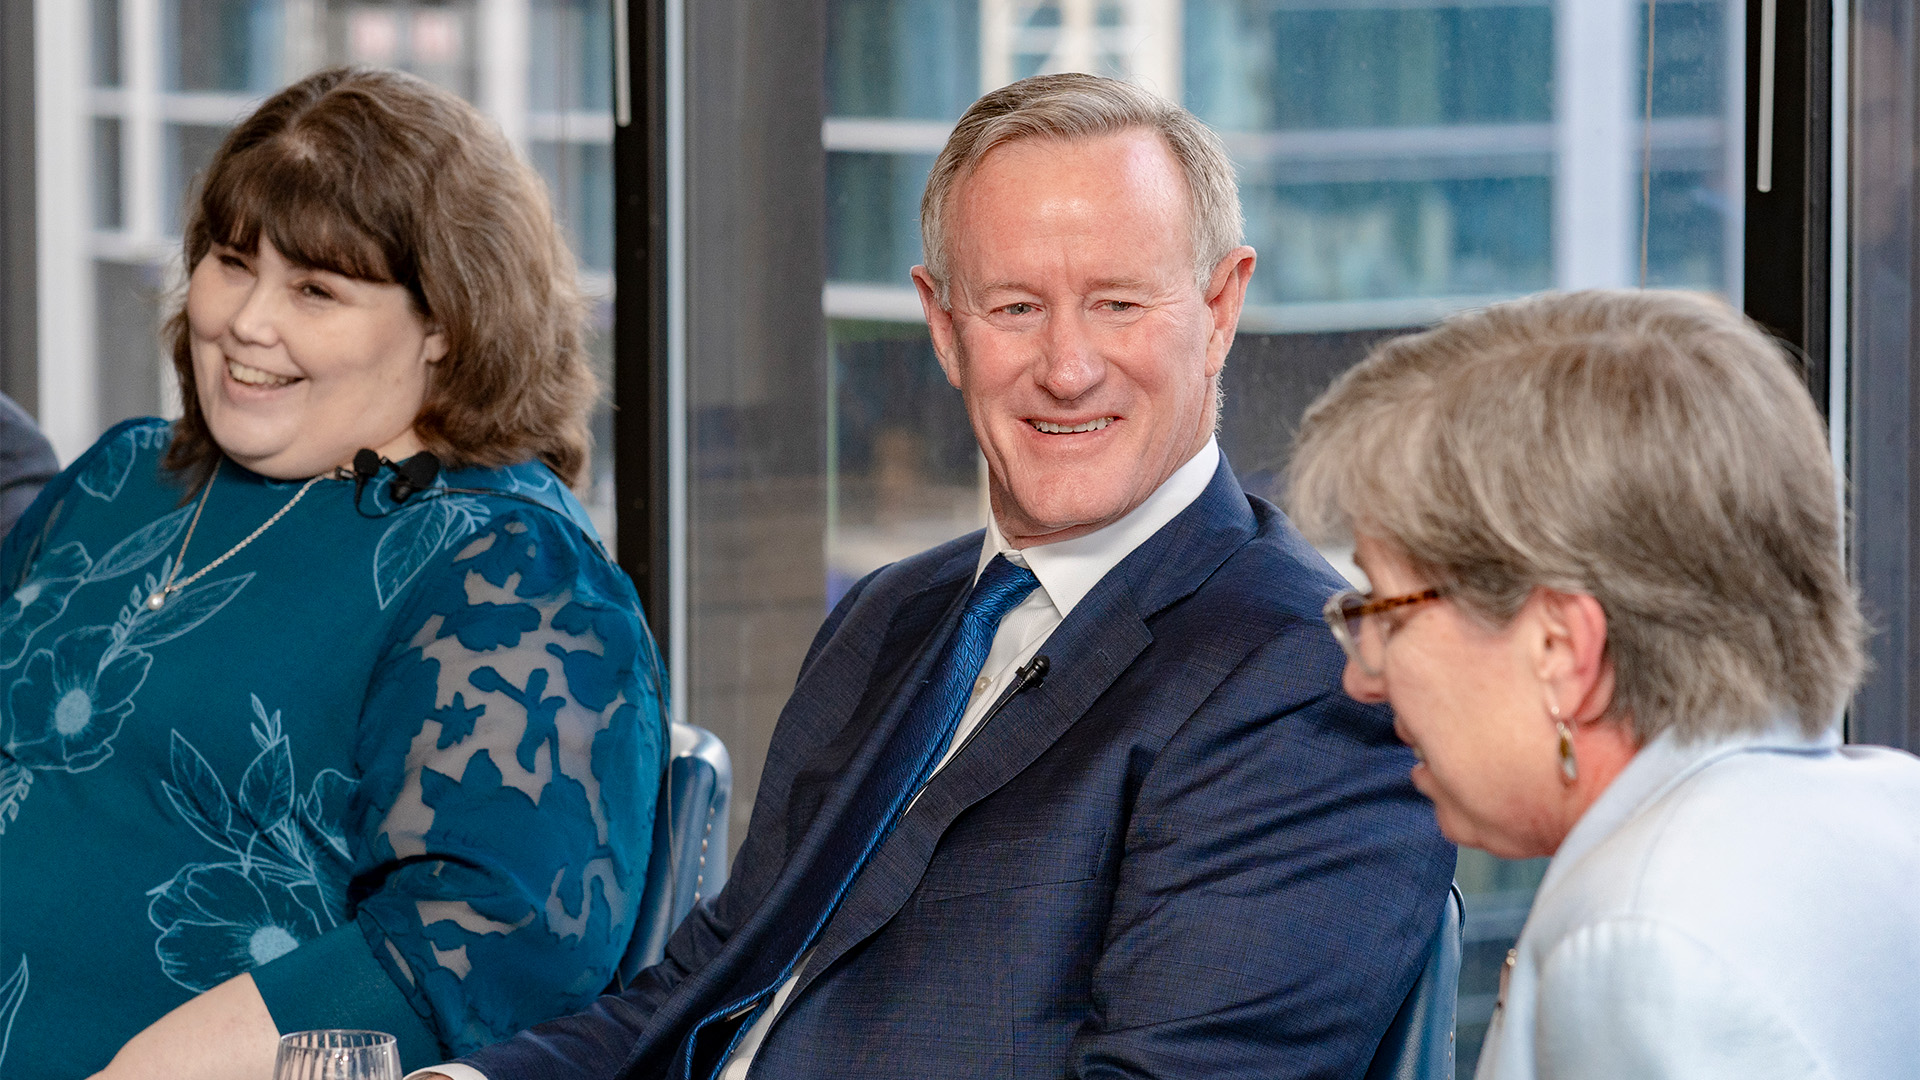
x: 336, y: 1039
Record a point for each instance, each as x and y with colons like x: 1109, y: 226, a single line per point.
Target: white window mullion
x: 1157, y: 38
x: 1595, y: 194
x: 63, y: 132
x: 144, y: 138
x: 504, y: 29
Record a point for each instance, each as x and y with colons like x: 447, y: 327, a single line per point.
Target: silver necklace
x: 159, y: 598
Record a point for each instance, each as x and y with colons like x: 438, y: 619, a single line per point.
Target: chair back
x: 1418, y: 1044
x: 689, y: 857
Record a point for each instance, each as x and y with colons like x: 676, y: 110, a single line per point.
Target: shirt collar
x: 1068, y: 570
x: 1659, y: 767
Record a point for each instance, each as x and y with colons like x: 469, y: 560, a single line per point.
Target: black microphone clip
x: 366, y: 466
x: 413, y: 475
x: 410, y: 477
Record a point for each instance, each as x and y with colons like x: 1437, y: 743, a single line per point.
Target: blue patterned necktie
x: 903, y: 768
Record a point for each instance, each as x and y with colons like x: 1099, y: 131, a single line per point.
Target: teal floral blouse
x: 398, y: 761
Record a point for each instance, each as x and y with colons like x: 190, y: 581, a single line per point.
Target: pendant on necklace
x: 157, y: 599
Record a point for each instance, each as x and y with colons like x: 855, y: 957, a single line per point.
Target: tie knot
x: 1001, y: 587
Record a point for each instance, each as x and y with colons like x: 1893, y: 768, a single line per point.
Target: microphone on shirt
x: 1030, y: 675
x: 411, y: 476
x: 1025, y: 677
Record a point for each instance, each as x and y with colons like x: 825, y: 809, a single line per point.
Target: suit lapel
x: 1090, y: 650
x: 920, y: 626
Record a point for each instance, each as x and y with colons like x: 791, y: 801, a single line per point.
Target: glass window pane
x: 128, y: 298
x: 191, y: 147
x: 903, y: 470
x: 873, y: 215
x: 230, y: 46
x: 571, y: 55
x: 104, y: 42
x: 579, y: 178
x: 108, y: 207
x: 1255, y: 65
x: 915, y: 59
x: 433, y: 41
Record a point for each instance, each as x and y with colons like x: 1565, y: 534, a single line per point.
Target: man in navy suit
x: 1173, y: 849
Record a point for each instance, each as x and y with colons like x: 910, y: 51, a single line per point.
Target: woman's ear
x: 1571, y: 641
x: 433, y: 348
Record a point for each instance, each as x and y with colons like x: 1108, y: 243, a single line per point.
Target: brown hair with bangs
x: 383, y: 176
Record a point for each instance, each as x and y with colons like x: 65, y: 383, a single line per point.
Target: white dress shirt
x: 1068, y: 571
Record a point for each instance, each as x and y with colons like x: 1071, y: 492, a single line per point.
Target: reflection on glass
x: 127, y: 299
x: 904, y: 472
x: 1689, y: 58
x: 1686, y: 243
x: 435, y: 42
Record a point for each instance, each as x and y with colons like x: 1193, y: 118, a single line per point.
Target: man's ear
x: 939, y: 323
x: 1226, y: 295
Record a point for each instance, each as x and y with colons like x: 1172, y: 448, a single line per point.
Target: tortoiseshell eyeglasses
x: 1346, y: 612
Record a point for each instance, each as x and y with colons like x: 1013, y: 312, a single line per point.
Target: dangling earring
x: 1569, y: 768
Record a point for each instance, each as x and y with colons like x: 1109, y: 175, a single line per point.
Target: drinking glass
x: 337, y: 1055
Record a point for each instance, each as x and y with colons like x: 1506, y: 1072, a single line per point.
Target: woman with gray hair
x: 1610, y: 613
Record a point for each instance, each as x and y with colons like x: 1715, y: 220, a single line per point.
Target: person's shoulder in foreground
x: 1704, y: 924
x: 27, y: 462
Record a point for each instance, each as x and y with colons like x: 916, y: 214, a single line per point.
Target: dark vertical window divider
x: 640, y: 315
x: 1787, y: 277
x: 19, y: 313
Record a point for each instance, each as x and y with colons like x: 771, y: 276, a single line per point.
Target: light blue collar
x: 1658, y: 768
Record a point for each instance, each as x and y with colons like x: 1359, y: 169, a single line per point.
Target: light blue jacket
x: 1742, y: 909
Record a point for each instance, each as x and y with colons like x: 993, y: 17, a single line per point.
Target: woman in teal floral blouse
x: 288, y: 741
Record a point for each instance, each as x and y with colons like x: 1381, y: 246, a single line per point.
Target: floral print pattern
x: 457, y: 771
x: 41, y: 598
x: 286, y: 871
x: 70, y: 701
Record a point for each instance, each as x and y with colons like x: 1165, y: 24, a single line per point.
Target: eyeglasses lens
x: 1352, y: 611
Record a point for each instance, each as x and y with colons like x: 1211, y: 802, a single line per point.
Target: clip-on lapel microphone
x: 410, y: 477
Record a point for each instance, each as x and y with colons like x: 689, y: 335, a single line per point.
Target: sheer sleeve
x: 510, y: 749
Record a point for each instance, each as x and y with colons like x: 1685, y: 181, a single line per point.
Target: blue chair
x: 689, y: 858
x: 1418, y: 1044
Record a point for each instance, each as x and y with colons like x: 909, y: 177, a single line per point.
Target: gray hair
x: 1654, y: 450
x: 1074, y: 106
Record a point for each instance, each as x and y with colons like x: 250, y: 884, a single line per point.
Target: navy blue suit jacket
x: 1187, y: 853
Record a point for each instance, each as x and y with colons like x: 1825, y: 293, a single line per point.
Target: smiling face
x: 296, y: 368
x: 1085, y: 350
x: 1468, y: 700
